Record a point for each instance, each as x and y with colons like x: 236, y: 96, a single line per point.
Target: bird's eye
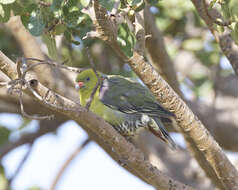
x: 88, y: 79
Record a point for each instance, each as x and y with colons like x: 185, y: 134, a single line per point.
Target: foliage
x: 182, y: 28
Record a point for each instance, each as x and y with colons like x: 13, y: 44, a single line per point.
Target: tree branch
x: 189, y: 124
x: 157, y: 52
x: 225, y: 40
x: 68, y: 161
x: 45, y: 127
x: 21, y: 164
x: 199, y: 138
x: 125, y: 150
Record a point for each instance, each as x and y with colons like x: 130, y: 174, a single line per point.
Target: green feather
x: 125, y: 104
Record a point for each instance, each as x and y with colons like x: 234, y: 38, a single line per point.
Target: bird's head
x: 86, y: 81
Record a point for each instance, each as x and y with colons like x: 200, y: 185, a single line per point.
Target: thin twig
x: 20, y: 166
x: 31, y: 85
x: 22, y: 69
x: 115, y: 7
x: 68, y: 161
x: 106, y: 133
x: 49, y: 62
x: 19, y: 64
x: 31, y: 116
x: 89, y: 101
x: 220, y: 23
x: 3, y: 84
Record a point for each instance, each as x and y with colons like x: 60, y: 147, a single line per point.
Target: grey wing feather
x: 165, y: 134
x: 125, y: 95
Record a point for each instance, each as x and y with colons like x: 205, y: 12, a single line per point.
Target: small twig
x: 89, y: 101
x: 115, y: 7
x: 105, y: 132
x: 32, y: 116
x: 22, y: 69
x: 20, y: 166
x: 49, y: 62
x: 218, y: 22
x: 30, y: 85
x: 28, y: 138
x: 3, y: 84
x: 19, y: 64
x: 44, y: 4
x: 140, y: 33
x: 68, y: 161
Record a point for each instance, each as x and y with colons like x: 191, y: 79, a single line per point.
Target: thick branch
x: 195, y: 133
x: 125, y: 150
x: 187, y: 121
x: 108, y: 32
x: 225, y: 41
x: 157, y: 52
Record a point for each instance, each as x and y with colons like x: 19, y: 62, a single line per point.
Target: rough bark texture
x: 225, y: 41
x: 220, y: 119
x: 188, y: 122
x: 125, y: 150
x: 201, y: 141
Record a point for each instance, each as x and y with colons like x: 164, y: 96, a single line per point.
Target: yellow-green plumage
x: 125, y: 104
x: 111, y: 116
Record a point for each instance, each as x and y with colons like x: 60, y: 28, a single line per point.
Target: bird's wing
x: 130, y: 97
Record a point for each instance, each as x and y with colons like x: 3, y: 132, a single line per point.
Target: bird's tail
x: 158, y: 129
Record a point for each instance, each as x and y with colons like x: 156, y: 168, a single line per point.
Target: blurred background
x: 57, y: 154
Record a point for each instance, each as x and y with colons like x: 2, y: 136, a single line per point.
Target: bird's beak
x: 79, y: 85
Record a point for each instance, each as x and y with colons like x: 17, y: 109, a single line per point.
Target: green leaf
x: 51, y: 45
x: 108, y: 4
x: 233, y: 6
x: 234, y: 33
x: 207, y: 58
x: 36, y: 24
x: 68, y: 35
x: 17, y: 8
x: 205, y: 89
x: 74, y: 18
x: 84, y: 2
x: 4, y: 13
x: 56, y: 5
x: 153, y: 2
x: 226, y: 11
x: 4, y: 134
x: 59, y: 29
x: 34, y: 188
x: 3, y: 179
x: 24, y: 123
x: 70, y: 4
x: 212, y: 3
x: 75, y: 42
x: 193, y: 44
x: 5, y: 2
x: 133, y: 2
x: 126, y: 39
x: 26, y: 17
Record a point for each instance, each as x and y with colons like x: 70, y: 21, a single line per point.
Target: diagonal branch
x: 225, y: 40
x: 157, y: 53
x: 20, y: 166
x: 124, y: 150
x: 194, y: 131
x: 68, y: 161
x: 189, y: 124
x: 31, y: 137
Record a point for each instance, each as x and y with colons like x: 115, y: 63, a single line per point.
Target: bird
x: 124, y: 103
